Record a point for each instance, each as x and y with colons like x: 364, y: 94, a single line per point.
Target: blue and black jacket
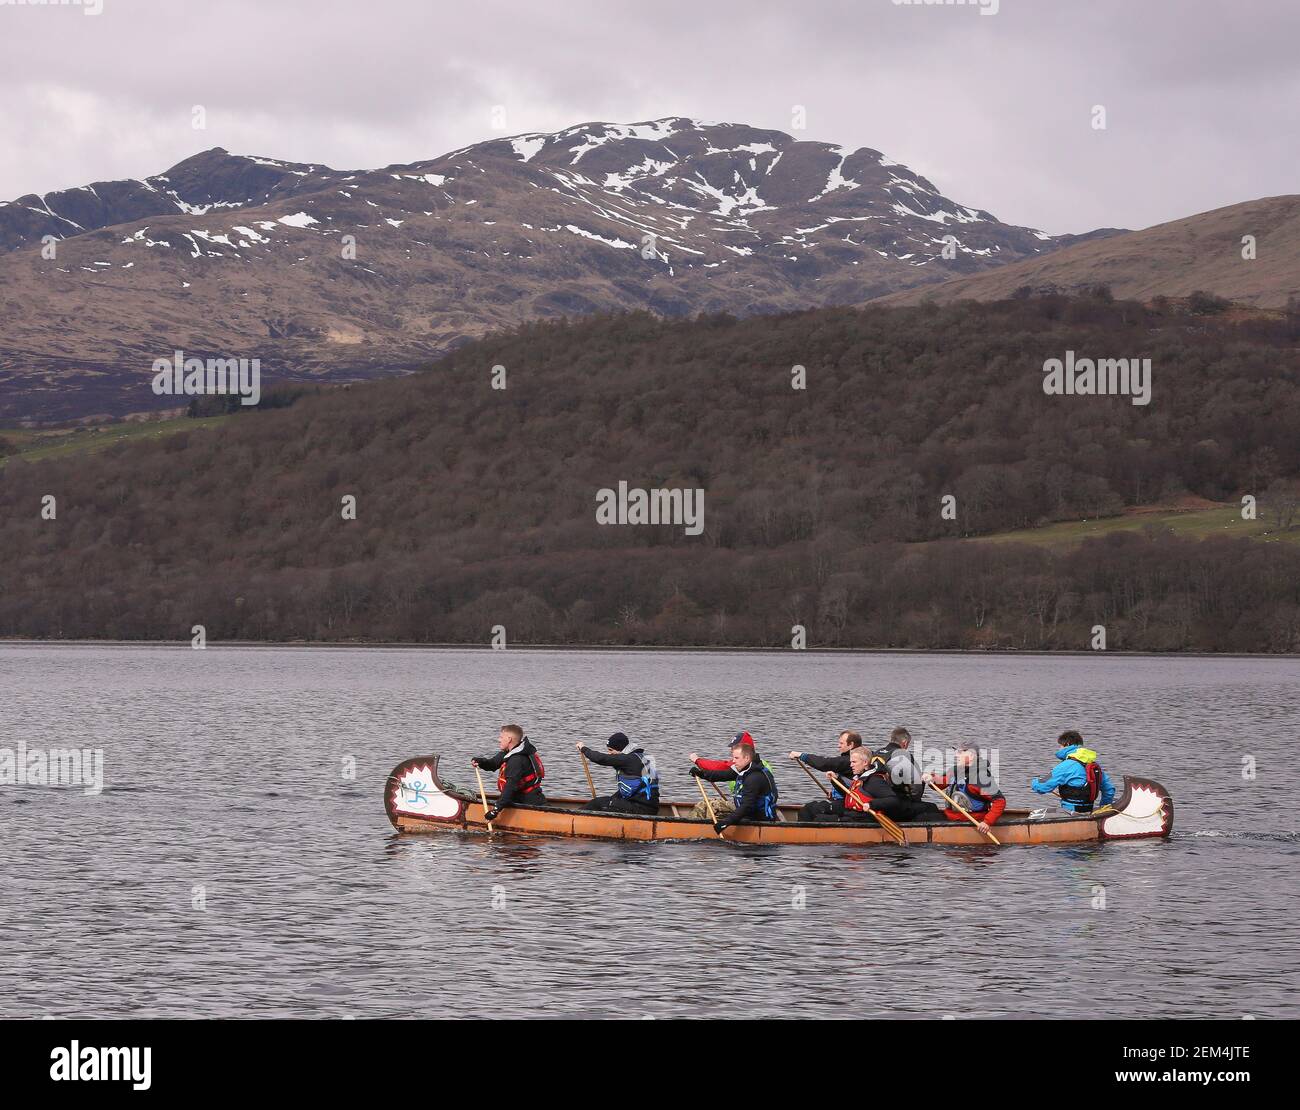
x: 638, y: 778
x: 755, y: 795
x: 1069, y: 778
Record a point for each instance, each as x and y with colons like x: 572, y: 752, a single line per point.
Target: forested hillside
x: 475, y: 506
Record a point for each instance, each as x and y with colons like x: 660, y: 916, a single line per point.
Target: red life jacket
x: 857, y: 798
x: 1086, y: 794
x: 1093, y: 771
x: 532, y: 779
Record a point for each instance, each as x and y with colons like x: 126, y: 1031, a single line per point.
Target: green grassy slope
x: 32, y: 444
x: 1222, y: 520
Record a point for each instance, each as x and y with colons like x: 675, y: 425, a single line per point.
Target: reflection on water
x: 230, y: 868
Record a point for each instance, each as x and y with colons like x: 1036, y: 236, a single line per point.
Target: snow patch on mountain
x: 619, y: 243
x: 526, y: 146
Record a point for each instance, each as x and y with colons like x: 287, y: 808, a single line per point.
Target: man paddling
x: 904, y: 774
x: 636, y: 775
x: 971, y: 785
x: 869, y: 790
x: 837, y: 764
x: 722, y: 804
x: 1078, y: 778
x: 755, y: 792
x: 519, y: 771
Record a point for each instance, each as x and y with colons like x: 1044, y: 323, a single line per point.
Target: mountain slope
x: 1202, y: 252
x: 239, y: 257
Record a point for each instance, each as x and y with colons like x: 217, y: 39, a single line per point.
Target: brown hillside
x: 1201, y: 252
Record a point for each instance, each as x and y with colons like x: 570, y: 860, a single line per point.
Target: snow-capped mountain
x: 321, y: 272
x: 209, y: 181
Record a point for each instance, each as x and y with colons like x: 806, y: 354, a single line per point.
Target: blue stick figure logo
x: 413, y: 793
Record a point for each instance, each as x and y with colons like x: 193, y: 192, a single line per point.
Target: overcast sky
x: 1202, y: 98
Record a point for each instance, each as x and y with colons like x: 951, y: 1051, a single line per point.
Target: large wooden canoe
x: 417, y: 801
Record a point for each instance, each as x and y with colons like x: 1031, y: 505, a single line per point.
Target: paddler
x: 720, y: 803
x: 636, y: 775
x: 519, y: 771
x: 904, y: 774
x: 971, y: 785
x: 869, y: 789
x: 1078, y: 778
x: 754, y: 794
x: 838, y: 764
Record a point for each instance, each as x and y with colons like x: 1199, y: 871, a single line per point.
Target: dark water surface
x: 230, y: 868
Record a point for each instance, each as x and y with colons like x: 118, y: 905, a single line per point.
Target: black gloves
x: 492, y: 814
x: 718, y: 826
x: 694, y: 772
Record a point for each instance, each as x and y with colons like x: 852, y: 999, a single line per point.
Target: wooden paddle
x: 482, y: 795
x: 953, y: 805
x: 587, y: 768
x: 713, y: 817
x: 896, y: 834
x: 808, y: 771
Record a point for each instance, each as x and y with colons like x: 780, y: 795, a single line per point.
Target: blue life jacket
x: 964, y: 798
x: 734, y: 785
x: 768, y: 810
x: 643, y: 787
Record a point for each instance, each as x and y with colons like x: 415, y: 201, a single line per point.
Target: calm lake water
x: 231, y: 868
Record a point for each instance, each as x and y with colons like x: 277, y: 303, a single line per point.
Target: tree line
x: 475, y: 506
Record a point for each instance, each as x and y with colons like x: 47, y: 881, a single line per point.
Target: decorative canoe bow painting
x: 1145, y: 809
x: 414, y: 790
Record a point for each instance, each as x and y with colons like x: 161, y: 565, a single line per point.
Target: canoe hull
x: 417, y: 801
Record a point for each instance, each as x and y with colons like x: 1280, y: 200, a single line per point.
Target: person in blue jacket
x: 1078, y: 778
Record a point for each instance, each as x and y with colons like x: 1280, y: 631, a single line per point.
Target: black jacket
x: 904, y: 774
x: 517, y: 766
x: 836, y: 764
x: 756, y: 786
x: 626, y: 762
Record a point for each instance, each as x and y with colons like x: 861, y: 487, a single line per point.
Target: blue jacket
x: 1070, y: 772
